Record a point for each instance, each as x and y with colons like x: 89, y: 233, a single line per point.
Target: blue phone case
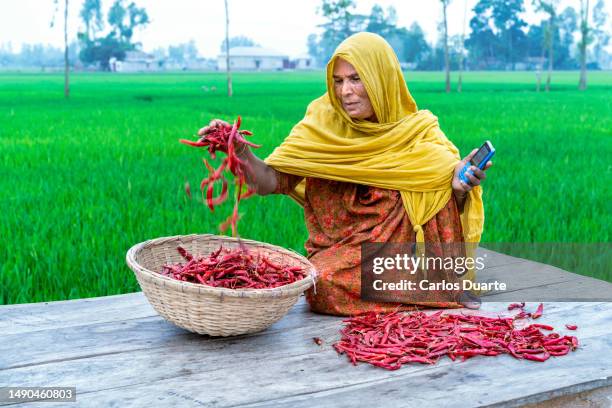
x: 480, y: 165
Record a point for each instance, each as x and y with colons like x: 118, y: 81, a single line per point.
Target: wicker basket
x: 206, y: 309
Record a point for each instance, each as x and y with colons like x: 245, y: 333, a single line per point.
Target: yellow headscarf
x: 405, y: 150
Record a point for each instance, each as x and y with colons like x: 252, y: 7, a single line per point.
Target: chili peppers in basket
x: 233, y: 269
x: 223, y: 137
x: 390, y: 340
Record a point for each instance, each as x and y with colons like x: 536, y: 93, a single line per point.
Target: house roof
x: 254, y: 52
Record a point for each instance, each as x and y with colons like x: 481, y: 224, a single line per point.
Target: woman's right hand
x: 214, y: 124
x: 259, y: 174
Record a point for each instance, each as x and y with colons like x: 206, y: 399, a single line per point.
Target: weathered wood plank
x: 113, y: 337
x: 599, y: 397
x: 581, y: 289
x: 44, y: 346
x: 494, y: 259
x: 287, y: 383
x: 272, y: 356
x: 471, y: 384
x: 30, y: 317
x: 51, y: 315
x: 524, y: 275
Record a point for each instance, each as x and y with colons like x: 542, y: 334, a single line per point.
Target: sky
x: 282, y: 25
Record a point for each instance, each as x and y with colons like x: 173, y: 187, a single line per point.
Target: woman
x: 367, y: 166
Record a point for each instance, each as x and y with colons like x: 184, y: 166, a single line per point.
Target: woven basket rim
x: 291, y: 289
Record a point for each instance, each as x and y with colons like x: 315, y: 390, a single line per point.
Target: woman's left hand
x: 459, y: 187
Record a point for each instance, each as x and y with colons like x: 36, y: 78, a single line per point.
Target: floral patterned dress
x: 340, y: 217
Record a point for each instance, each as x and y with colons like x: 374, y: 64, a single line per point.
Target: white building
x: 304, y: 62
x: 254, y: 59
x: 135, y: 61
x: 201, y: 64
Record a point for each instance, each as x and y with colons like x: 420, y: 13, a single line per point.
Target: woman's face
x: 351, y: 92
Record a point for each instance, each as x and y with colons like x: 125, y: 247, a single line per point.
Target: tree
x: 240, y: 41
x: 415, y: 45
x: 314, y: 49
x: 341, y: 23
x: 536, y: 49
x: 381, y: 24
x: 600, y: 35
x: 183, y: 52
x: 497, y: 37
x: 91, y: 13
x: 384, y: 24
x: 100, y: 50
x: 567, y: 22
x: 116, y: 17
x: 124, y: 20
x: 549, y: 7
x: 445, y: 4
x: 66, y: 59
x: 482, y: 40
x: 584, y: 31
x: 462, y: 50
x: 227, y: 51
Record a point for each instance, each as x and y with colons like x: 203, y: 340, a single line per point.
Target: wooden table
x: 118, y: 352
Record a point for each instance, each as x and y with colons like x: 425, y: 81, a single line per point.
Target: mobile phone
x: 480, y: 159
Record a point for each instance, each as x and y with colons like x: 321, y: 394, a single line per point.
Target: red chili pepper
x: 534, y: 357
x: 224, y: 137
x: 543, y: 326
x: 516, y: 306
x: 192, y: 143
x: 538, y: 311
x: 235, y: 269
x: 571, y: 326
x: 390, y: 340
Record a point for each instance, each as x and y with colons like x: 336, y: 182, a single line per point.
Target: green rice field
x: 84, y: 179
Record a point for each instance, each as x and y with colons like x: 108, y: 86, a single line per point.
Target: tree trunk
x: 227, y: 52
x: 551, y: 47
x: 446, y: 61
x: 543, y: 55
x: 461, y: 59
x: 66, y: 62
x: 584, y: 29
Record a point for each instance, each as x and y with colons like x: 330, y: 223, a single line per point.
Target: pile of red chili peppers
x: 223, y: 137
x: 233, y: 269
x: 390, y: 340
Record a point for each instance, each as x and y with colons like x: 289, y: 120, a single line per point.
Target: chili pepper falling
x: 234, y: 269
x: 390, y: 340
x: 222, y: 138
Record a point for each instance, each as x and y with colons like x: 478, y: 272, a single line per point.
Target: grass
x: 86, y: 178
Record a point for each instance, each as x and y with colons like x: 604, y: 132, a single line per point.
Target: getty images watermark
x: 441, y: 272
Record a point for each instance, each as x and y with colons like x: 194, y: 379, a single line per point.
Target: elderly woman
x: 368, y: 166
